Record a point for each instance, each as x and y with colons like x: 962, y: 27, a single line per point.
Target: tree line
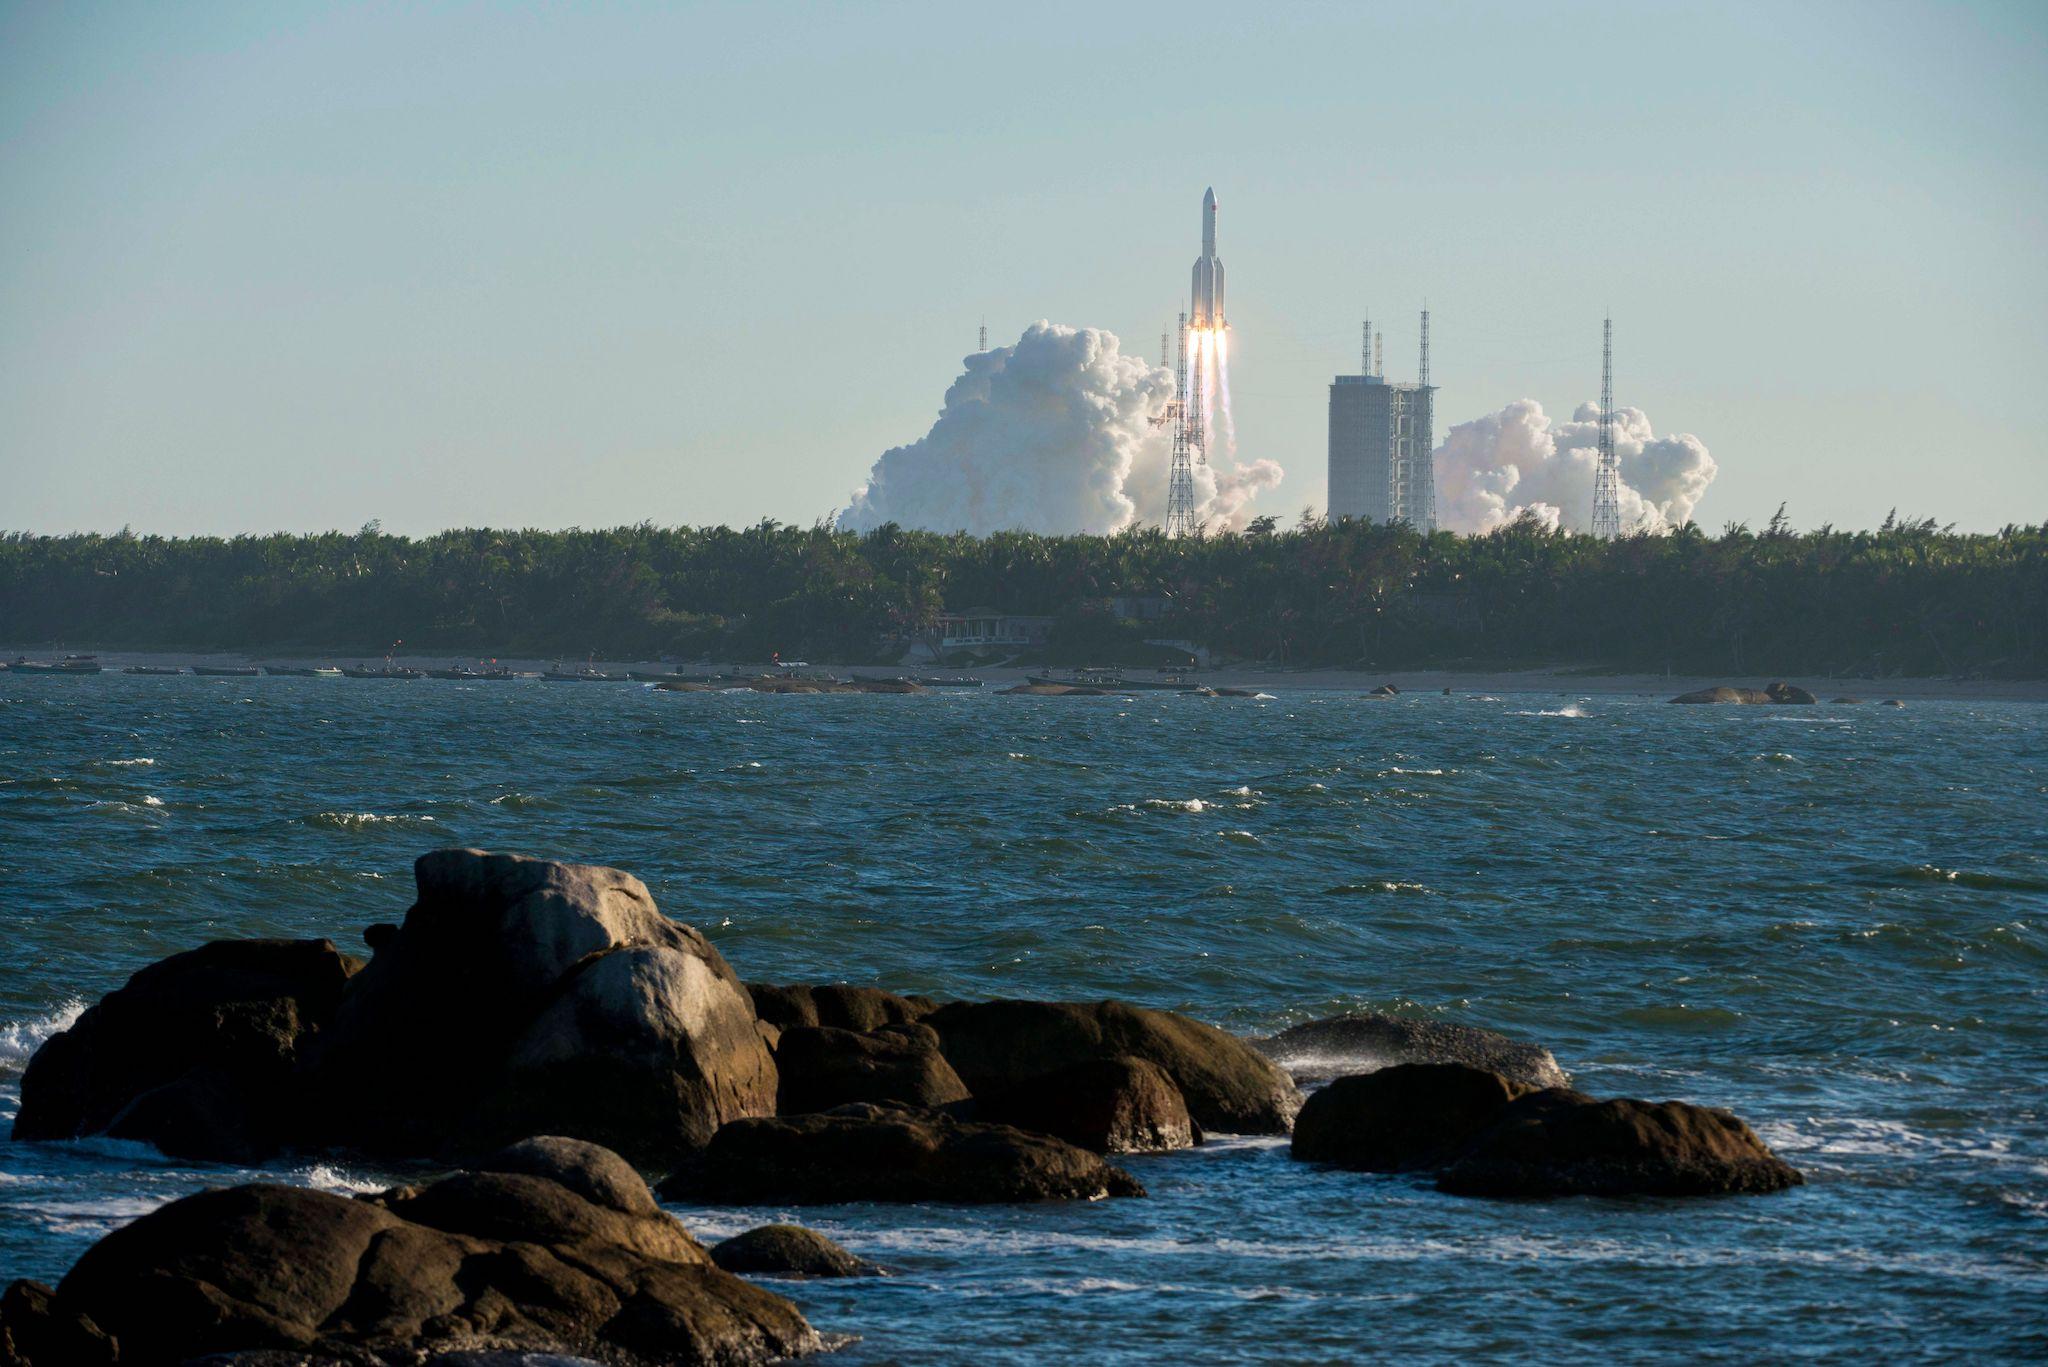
x: 1909, y: 597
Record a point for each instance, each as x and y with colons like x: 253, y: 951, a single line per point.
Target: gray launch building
x: 1383, y: 443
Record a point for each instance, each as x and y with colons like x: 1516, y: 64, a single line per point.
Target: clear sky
x: 282, y: 266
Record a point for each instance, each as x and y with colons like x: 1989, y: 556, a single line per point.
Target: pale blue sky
x: 283, y: 266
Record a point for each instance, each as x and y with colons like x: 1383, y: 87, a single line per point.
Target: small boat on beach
x: 303, y: 671
x: 387, y: 671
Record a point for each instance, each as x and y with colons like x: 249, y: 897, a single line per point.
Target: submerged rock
x: 196, y: 1053
x: 821, y: 1067
x: 1364, y: 1040
x: 1846, y: 701
x: 523, y: 995
x: 789, y: 1251
x: 1113, y: 1105
x: 1564, y: 1143
x: 890, y: 1153
x: 1032, y: 690
x: 483, y: 1260
x: 1411, y: 1115
x: 1229, y: 1087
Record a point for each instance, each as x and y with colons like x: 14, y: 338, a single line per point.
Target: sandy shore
x: 1559, y: 682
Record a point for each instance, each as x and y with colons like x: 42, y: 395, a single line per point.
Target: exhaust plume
x: 1054, y: 435
x: 1491, y: 470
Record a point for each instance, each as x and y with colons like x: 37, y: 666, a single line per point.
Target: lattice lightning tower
x: 1607, y: 473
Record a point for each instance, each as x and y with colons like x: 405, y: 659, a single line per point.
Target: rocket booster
x: 1206, y: 306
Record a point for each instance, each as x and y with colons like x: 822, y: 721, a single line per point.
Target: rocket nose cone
x: 1209, y: 198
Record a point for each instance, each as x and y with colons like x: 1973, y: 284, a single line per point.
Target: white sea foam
x: 1167, y: 804
x: 365, y: 821
x: 20, y: 1039
x: 152, y: 800
x: 126, y: 763
x: 1568, y: 710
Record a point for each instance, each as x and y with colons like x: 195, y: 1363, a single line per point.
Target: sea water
x: 1832, y: 919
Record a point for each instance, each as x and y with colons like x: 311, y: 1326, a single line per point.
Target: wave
x: 1568, y: 710
x: 1966, y: 878
x: 20, y: 1039
x: 367, y: 821
x: 1168, y: 804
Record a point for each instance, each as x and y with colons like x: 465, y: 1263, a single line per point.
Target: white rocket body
x: 1206, y: 305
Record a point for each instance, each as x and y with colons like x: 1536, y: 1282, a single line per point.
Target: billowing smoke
x: 1051, y: 435
x: 1493, y: 469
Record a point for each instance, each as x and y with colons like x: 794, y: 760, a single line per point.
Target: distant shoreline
x: 1553, y: 680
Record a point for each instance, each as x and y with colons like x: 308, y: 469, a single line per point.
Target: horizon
x: 532, y: 271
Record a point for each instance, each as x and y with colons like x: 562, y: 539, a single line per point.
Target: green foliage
x: 1911, y: 597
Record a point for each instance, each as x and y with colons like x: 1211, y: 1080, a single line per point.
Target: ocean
x: 1833, y: 920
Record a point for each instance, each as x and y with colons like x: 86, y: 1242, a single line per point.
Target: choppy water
x: 1834, y: 920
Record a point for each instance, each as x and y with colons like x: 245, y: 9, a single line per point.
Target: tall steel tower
x: 1607, y: 473
x: 1187, y: 440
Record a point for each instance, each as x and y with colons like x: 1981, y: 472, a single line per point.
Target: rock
x: 33, y: 1330
x: 890, y: 1153
x: 789, y: 1251
x: 1410, y: 1115
x: 1724, y: 694
x: 821, y: 1067
x: 1565, y: 1143
x: 522, y: 995
x: 379, y: 935
x: 1229, y: 1087
x: 1114, y: 1105
x: 1891, y: 702
x: 591, y: 1171
x: 835, y: 1004
x: 1783, y: 693
x: 1237, y: 692
x: 1385, y: 691
x: 474, y: 1262
x: 679, y: 686
x: 1364, y: 1040
x: 1847, y: 702
x: 223, y: 1025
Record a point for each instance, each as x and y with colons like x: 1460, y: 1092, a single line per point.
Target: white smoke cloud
x: 1491, y: 470
x: 1051, y: 435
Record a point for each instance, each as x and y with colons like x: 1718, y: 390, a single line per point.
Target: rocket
x: 1206, y: 307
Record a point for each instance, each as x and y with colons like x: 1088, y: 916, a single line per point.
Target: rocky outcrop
x: 1112, y: 1105
x: 789, y: 1251
x: 1035, y: 690
x: 521, y: 994
x: 835, y: 1004
x: 1846, y: 701
x: 1361, y: 1041
x: 1385, y: 691
x: 1780, y: 693
x: 821, y: 1067
x: 514, y: 1258
x: 1565, y: 1143
x: 1229, y: 1087
x: 890, y: 1153
x: 1410, y: 1115
x: 196, y: 1054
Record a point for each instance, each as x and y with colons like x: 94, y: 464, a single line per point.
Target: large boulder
x: 1782, y: 692
x: 1411, y: 1115
x: 478, y: 1261
x: 890, y: 1153
x: 820, y: 1067
x: 836, y: 1005
x: 522, y: 994
x: 1229, y: 1087
x: 1319, y: 1050
x: 196, y: 1053
x: 1112, y: 1105
x: 1564, y: 1143
x: 789, y: 1251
